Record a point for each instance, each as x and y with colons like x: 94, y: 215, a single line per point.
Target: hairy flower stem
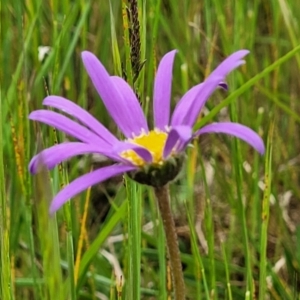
x: 163, y: 198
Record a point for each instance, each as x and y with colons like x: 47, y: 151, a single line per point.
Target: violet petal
x: 82, y: 115
x: 162, y: 91
x: 83, y: 182
x: 178, y: 136
x: 188, y: 110
x: 139, y: 150
x: 67, y: 126
x: 110, y: 95
x: 54, y: 155
x: 186, y: 102
x: 222, y: 68
x: 131, y: 101
x: 235, y: 129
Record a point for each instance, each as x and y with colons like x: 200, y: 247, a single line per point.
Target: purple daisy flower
x: 152, y: 157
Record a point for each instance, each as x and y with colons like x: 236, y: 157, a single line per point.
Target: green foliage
x: 237, y: 213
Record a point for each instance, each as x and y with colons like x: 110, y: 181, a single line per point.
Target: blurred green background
x: 237, y: 214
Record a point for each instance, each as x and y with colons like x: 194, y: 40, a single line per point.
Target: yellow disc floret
x: 154, y: 141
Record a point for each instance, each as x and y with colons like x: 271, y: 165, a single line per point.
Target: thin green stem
x: 5, y: 273
x: 163, y: 198
x: 265, y: 217
x: 134, y: 239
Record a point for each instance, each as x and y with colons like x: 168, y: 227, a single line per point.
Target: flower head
x: 150, y: 156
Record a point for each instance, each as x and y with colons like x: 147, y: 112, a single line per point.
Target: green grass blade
x: 72, y: 45
x: 265, y: 218
x: 114, y: 42
x: 134, y: 240
x: 6, y: 277
x: 99, y: 240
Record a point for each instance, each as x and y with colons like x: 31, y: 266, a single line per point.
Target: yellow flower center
x: 154, y: 141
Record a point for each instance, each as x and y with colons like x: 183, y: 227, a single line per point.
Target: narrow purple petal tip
x: 112, y: 96
x: 189, y: 107
x: 238, y: 130
x: 57, y: 154
x: 162, y: 90
x: 67, y: 125
x: 82, y: 183
x: 35, y: 165
x: 80, y: 114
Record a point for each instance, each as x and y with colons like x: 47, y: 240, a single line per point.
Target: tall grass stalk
x: 265, y: 215
x: 6, y: 276
x: 134, y: 239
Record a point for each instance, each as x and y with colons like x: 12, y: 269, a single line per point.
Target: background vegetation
x: 237, y: 213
